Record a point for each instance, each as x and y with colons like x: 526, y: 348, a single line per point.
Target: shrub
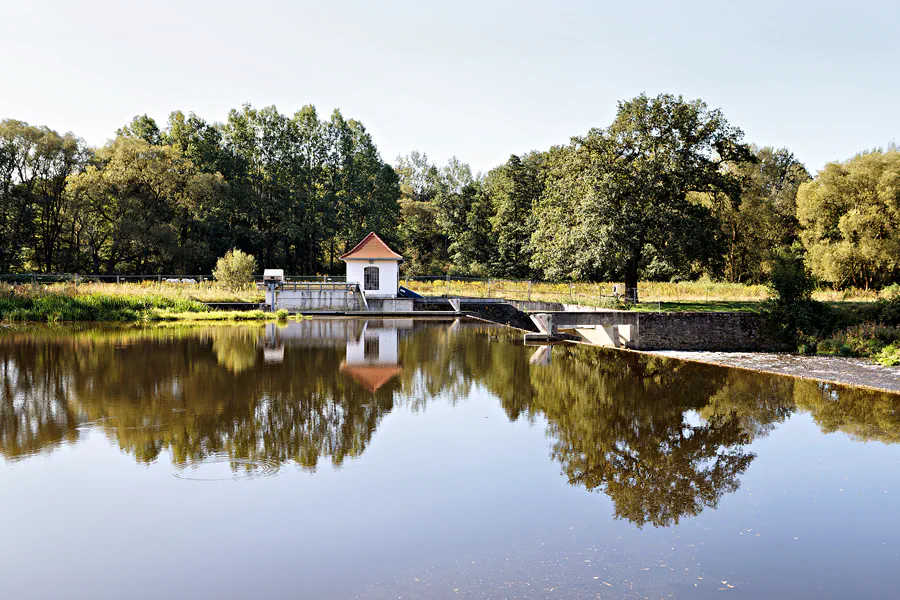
x: 793, y: 316
x: 866, y: 339
x: 889, y: 355
x: 281, y: 314
x: 235, y: 270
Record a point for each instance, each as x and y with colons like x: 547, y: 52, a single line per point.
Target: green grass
x: 126, y: 303
x: 699, y: 306
x: 55, y: 307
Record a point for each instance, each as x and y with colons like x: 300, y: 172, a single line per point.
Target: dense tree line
x: 668, y: 191
x: 294, y: 191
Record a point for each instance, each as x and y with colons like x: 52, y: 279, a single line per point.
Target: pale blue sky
x: 478, y: 80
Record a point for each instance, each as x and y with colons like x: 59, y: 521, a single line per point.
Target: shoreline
x: 844, y: 371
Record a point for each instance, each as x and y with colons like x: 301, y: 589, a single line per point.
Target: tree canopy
x: 668, y: 191
x: 850, y: 214
x: 618, y: 201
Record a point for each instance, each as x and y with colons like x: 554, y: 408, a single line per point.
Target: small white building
x: 375, y: 267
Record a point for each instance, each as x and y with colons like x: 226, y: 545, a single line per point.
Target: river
x: 376, y: 459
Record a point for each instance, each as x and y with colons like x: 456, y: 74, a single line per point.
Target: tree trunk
x: 631, y: 275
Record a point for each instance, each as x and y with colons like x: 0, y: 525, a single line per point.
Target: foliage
x: 889, y: 356
x: 236, y: 269
x: 294, y: 191
x: 850, y: 214
x: 754, y: 227
x: 794, y: 317
x: 35, y: 210
x: 515, y: 189
x: 665, y: 440
x: 864, y: 339
x: 667, y: 192
x: 618, y: 198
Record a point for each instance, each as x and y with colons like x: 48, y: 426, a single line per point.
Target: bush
x: 281, y: 314
x: 793, y: 316
x: 866, y: 339
x: 236, y: 269
x: 889, y: 355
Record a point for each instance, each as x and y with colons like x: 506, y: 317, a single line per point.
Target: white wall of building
x: 384, y: 352
x: 388, y: 276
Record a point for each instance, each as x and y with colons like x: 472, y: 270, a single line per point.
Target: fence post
x: 489, y: 294
x: 118, y: 281
x: 448, y: 286
x: 529, y: 290
x: 572, y: 292
x: 76, y: 279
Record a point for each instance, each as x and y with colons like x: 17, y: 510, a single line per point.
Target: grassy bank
x: 861, y: 329
x: 122, y: 303
x: 678, y: 296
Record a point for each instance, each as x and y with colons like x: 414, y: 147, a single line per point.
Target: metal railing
x: 526, y: 290
x: 307, y: 286
x: 78, y: 278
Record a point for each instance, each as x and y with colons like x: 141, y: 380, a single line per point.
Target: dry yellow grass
x: 595, y: 294
x: 208, y: 291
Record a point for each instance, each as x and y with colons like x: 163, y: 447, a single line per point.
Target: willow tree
x: 850, y: 215
x: 618, y: 204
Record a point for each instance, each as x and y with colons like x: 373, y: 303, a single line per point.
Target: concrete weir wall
x: 663, y: 331
x: 325, y: 300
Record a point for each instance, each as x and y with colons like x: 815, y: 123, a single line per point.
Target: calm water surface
x: 421, y: 459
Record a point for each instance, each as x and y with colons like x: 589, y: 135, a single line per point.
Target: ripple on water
x: 95, y: 423
x: 221, y: 467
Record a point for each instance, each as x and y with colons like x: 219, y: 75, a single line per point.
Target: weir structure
x: 711, y: 331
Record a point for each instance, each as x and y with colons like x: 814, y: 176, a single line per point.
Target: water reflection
x: 662, y: 438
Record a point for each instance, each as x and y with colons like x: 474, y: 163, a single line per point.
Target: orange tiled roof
x: 371, y: 377
x: 372, y: 247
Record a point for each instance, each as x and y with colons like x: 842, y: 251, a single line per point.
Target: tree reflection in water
x: 662, y: 438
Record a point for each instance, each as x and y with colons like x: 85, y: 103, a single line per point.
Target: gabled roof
x: 371, y: 377
x: 372, y: 247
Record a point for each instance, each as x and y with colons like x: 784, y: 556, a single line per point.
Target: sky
x: 477, y: 80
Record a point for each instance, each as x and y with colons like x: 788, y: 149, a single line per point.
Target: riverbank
x: 857, y: 372
x: 126, y: 303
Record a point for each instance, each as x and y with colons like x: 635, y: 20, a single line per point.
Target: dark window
x: 370, y: 278
x: 370, y: 350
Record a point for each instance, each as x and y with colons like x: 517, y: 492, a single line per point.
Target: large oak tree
x: 618, y: 202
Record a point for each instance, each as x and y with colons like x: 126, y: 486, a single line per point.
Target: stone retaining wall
x: 672, y: 331
x: 702, y: 331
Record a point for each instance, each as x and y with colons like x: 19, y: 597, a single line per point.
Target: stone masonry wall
x: 679, y: 331
x: 701, y: 331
